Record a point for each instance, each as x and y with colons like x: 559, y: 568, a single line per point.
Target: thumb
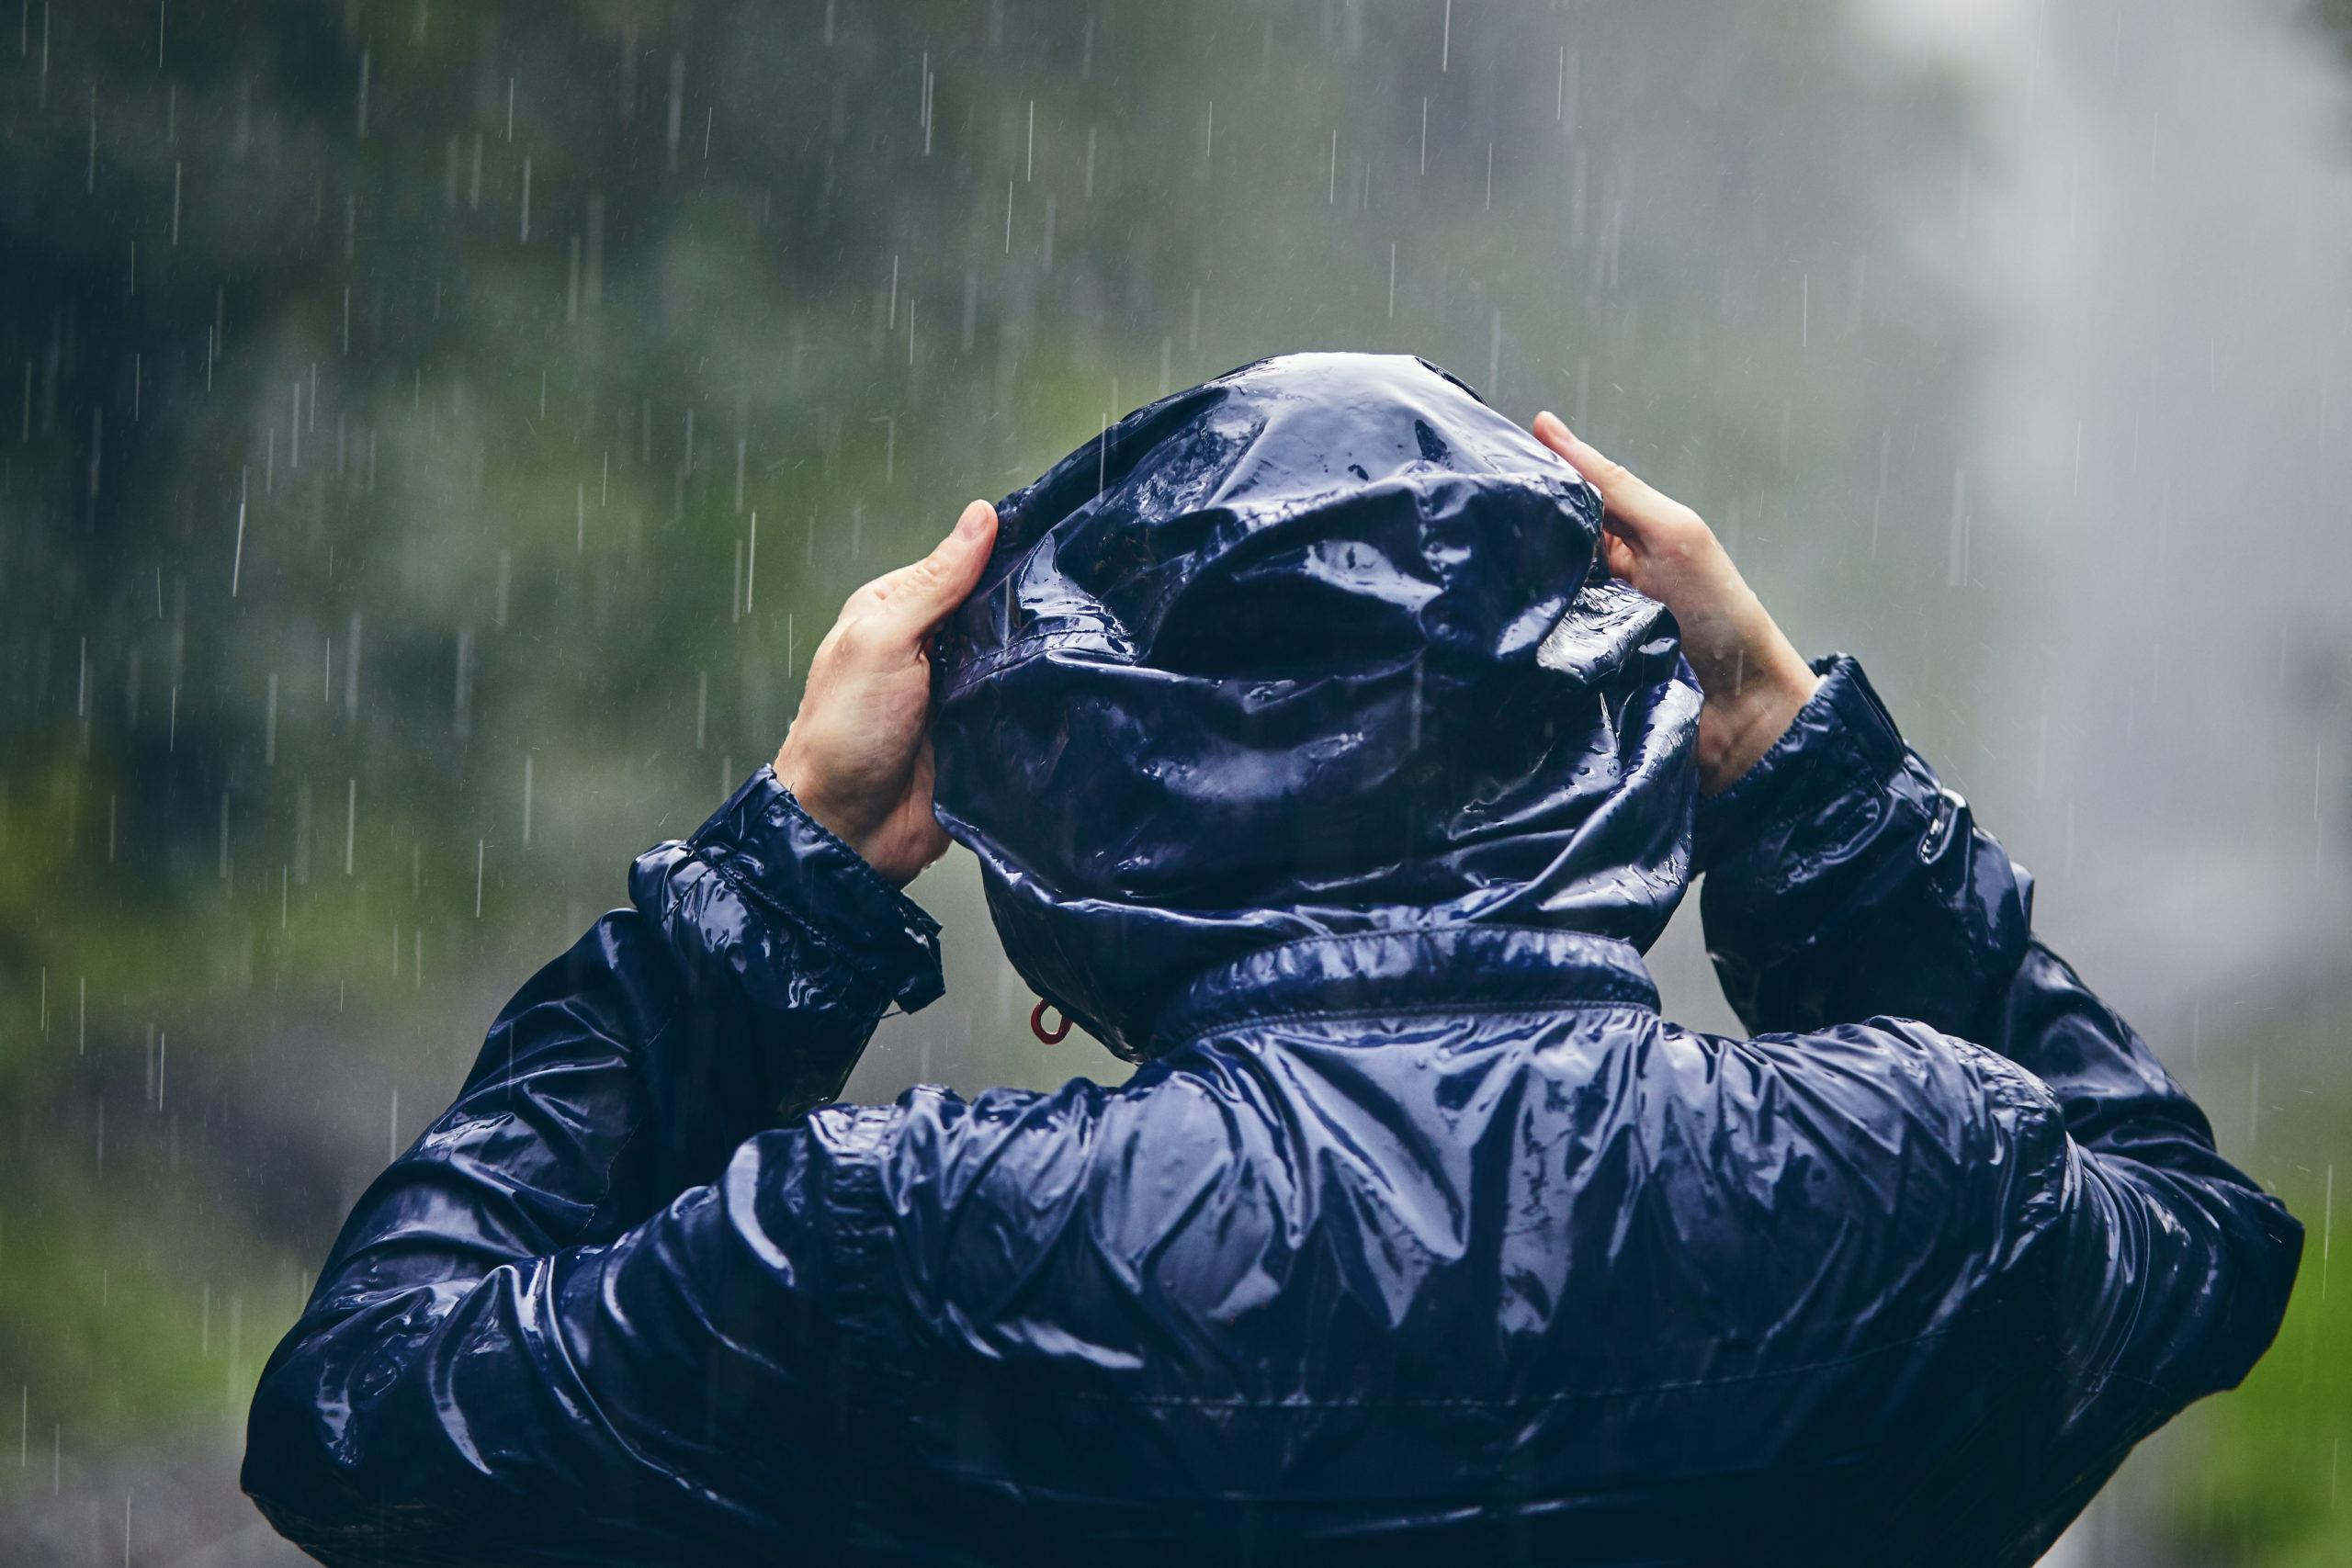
x: 917, y: 597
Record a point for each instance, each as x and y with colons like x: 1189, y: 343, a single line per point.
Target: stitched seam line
x: 788, y: 808
x: 1642, y: 998
x: 858, y: 1253
x: 1447, y: 934
x: 1433, y: 935
x: 1850, y: 755
x: 1539, y: 1009
x: 758, y: 896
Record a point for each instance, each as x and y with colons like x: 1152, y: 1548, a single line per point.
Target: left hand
x: 1753, y: 680
x: 858, y: 755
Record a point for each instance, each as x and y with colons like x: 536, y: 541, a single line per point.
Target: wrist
x: 827, y: 815
x: 804, y: 788
x: 1737, y: 730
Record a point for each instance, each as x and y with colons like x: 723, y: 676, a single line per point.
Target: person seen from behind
x: 1332, y: 749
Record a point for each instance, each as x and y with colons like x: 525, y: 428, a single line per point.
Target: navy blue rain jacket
x: 1310, y: 765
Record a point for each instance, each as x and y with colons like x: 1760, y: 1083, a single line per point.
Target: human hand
x: 1753, y: 680
x: 858, y: 754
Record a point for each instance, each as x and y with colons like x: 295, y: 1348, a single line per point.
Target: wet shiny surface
x: 1288, y: 655
x: 1420, y: 1238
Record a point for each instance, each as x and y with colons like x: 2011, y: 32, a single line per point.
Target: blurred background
x: 433, y: 437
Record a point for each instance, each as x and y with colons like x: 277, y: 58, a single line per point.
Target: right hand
x: 858, y: 756
x: 1752, y: 678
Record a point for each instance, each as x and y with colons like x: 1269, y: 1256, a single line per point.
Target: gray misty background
x: 432, y: 439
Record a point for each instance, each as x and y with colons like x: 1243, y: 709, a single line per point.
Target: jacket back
x: 1418, y: 1233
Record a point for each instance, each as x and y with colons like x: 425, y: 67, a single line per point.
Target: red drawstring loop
x: 1037, y: 1025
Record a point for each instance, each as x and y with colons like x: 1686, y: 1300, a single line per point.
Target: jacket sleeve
x: 1844, y: 882
x: 495, y: 1363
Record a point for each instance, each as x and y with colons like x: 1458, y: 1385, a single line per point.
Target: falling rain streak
x: 315, y: 352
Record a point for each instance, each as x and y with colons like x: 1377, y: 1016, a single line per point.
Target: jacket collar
x: 1469, y: 969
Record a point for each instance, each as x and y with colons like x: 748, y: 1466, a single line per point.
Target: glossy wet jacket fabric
x: 1292, y: 655
x: 1415, y: 1240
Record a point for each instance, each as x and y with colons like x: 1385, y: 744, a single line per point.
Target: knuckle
x: 855, y: 640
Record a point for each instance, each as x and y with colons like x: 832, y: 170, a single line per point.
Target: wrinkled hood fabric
x: 1315, y: 648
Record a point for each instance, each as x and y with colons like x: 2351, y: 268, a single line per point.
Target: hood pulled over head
x: 1316, y: 648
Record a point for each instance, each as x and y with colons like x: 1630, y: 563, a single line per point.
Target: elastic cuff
x: 1843, y: 736
x: 785, y: 860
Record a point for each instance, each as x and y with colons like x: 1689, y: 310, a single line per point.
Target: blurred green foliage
x: 2259, y: 1476
x: 401, y: 383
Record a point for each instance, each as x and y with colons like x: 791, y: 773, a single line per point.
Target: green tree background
x: 443, y: 432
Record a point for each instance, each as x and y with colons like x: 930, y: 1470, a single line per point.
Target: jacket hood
x: 1319, y: 647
